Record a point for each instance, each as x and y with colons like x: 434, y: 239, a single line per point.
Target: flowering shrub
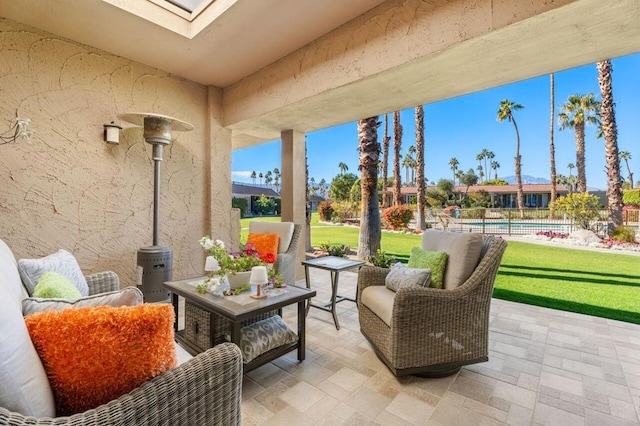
x: 397, y: 217
x: 231, y: 262
x: 552, y: 234
x: 325, y: 210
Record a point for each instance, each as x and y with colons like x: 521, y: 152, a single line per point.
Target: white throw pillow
x: 61, y: 262
x: 400, y: 276
x: 128, y: 296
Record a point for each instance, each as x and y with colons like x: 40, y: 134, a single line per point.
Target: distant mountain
x: 526, y: 179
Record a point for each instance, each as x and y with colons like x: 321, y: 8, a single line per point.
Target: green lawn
x: 599, y: 284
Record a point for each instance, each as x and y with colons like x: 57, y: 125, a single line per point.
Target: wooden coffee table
x: 212, y: 319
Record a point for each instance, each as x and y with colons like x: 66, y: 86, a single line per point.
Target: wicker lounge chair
x: 433, y: 332
x: 286, y: 258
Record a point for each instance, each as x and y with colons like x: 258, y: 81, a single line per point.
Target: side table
x: 333, y: 264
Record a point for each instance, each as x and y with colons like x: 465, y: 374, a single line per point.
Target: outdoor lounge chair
x: 287, y: 247
x: 428, y: 331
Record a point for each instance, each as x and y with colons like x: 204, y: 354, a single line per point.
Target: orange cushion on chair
x: 264, y: 243
x: 97, y: 354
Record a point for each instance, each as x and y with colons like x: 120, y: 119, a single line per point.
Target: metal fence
x: 512, y: 222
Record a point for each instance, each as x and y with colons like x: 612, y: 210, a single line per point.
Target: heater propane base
x: 155, y: 267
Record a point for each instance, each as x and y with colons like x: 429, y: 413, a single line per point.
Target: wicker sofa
x: 205, y: 390
x: 432, y: 332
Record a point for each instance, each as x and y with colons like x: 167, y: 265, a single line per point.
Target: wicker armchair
x: 285, y: 261
x: 205, y: 390
x: 434, y: 332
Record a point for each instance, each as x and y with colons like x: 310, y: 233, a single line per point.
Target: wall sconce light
x: 18, y: 132
x: 112, y: 133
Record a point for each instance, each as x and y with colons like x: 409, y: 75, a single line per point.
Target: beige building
x: 242, y: 72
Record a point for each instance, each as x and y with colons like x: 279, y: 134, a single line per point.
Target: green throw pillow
x: 54, y: 285
x: 434, y: 260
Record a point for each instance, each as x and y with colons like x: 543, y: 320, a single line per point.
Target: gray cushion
x: 463, y: 250
x: 283, y: 229
x: 24, y: 387
x: 379, y: 299
x: 400, y: 276
x: 262, y: 336
x: 128, y: 296
x: 61, y: 262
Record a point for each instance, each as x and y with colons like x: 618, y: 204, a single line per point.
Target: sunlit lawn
x: 593, y: 283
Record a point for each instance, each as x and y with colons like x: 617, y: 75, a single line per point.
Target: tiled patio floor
x: 545, y: 367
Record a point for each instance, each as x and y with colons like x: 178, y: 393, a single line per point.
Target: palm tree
x: 576, y: 113
x: 570, y: 166
x: 506, y: 111
x: 406, y: 163
x: 276, y: 183
x: 480, y: 157
x: 260, y: 176
x: 385, y: 160
x: 552, y: 148
x: 369, y: 238
x: 480, y: 172
x: 267, y: 177
x: 495, y: 166
x: 343, y: 167
x: 312, y: 185
x: 420, y: 198
x: 626, y: 156
x: 397, y: 144
x: 453, y: 164
x: 488, y: 155
x: 610, y: 130
x: 323, y: 190
x: 253, y: 176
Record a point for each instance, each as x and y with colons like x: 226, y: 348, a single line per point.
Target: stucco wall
x: 68, y: 188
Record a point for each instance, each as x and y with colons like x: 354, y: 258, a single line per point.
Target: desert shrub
x: 325, y: 210
x: 580, y: 206
x: 343, y: 211
x: 397, y: 217
x: 239, y: 203
x: 631, y: 196
x: 333, y: 249
x: 381, y: 259
x: 624, y: 233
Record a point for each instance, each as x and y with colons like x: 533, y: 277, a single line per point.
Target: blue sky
x: 461, y: 127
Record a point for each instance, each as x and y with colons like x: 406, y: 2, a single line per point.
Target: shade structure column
x: 294, y: 186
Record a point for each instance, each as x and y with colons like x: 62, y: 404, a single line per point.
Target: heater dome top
x: 137, y: 118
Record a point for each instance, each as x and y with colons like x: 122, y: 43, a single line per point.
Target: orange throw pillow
x: 264, y: 243
x: 97, y: 354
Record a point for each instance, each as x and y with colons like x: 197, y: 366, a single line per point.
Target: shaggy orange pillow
x: 264, y: 243
x: 97, y: 354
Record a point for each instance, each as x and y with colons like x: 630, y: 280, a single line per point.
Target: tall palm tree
x: 267, y: 177
x: 576, y: 113
x: 312, y: 185
x: 276, y: 179
x: 570, y: 166
x: 506, y: 112
x: 253, y: 176
x: 480, y: 157
x: 480, y: 172
x: 453, y: 164
x: 260, y: 176
x: 420, y: 198
x: 406, y: 163
x: 626, y: 156
x: 323, y: 189
x: 385, y: 160
x: 495, y: 166
x: 397, y: 145
x: 343, y: 167
x: 370, y: 234
x: 610, y: 130
x: 552, y: 148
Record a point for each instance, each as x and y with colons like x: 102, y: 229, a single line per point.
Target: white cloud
x: 241, y: 174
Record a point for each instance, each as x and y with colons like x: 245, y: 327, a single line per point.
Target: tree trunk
x: 397, y: 180
x: 582, y: 176
x: 520, y: 195
x: 370, y: 233
x: 552, y: 148
x: 385, y: 162
x: 610, y: 131
x: 420, y: 221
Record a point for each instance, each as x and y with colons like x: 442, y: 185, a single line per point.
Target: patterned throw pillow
x: 95, y: 355
x: 400, y: 276
x: 52, y: 285
x: 434, y: 260
x: 262, y: 336
x: 264, y: 243
x: 61, y: 262
x: 128, y: 296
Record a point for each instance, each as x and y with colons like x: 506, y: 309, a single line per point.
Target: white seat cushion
x: 283, y: 229
x: 24, y: 386
x: 463, y: 250
x: 379, y: 299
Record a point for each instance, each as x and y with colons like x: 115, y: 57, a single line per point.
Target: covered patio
x: 546, y: 367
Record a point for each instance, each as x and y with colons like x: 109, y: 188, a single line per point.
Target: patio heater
x: 155, y: 262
